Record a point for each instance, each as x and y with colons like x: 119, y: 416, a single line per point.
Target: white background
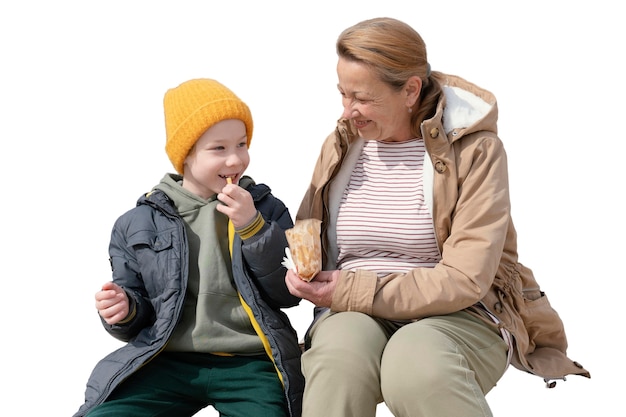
x: 82, y: 131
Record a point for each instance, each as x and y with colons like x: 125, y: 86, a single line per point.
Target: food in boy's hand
x: 306, y: 248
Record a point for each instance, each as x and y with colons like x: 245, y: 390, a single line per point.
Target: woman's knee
x: 348, y: 331
x: 428, y: 356
x: 346, y: 344
x: 416, y: 361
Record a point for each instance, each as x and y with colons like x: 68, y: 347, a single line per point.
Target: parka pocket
x: 152, y: 240
x: 155, y: 259
x: 543, y: 324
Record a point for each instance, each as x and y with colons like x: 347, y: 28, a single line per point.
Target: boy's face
x: 221, y: 152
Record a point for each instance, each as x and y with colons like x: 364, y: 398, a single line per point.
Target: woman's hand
x: 112, y: 303
x: 319, y: 290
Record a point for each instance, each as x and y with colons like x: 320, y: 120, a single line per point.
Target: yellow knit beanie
x: 192, y: 108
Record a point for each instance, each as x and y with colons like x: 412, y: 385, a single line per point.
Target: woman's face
x: 377, y: 111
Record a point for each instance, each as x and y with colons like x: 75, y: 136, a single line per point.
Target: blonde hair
x: 395, y: 52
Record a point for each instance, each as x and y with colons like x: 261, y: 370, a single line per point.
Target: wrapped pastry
x: 305, y: 247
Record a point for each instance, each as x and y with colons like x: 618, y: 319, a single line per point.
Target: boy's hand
x: 238, y: 205
x: 112, y: 303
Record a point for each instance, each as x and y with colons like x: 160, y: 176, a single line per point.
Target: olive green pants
x: 181, y: 384
x: 434, y: 367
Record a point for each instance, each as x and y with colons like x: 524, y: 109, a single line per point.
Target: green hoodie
x: 213, y: 320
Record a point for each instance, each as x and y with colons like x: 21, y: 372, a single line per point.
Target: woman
x: 422, y: 302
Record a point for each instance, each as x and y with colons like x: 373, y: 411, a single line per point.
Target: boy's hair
x: 192, y: 108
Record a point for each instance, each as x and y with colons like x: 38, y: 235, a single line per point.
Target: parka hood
x: 466, y: 108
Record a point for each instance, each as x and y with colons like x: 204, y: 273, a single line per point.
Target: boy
x: 197, y: 279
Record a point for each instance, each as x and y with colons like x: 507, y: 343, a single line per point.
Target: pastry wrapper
x: 304, y: 254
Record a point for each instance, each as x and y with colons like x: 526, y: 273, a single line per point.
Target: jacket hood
x: 466, y: 108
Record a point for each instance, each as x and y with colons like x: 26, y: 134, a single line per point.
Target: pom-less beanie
x: 192, y: 108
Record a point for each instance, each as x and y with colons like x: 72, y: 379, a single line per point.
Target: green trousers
x: 434, y: 367
x: 181, y: 384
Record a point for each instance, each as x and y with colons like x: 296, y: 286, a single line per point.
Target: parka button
x: 434, y: 132
x: 440, y: 167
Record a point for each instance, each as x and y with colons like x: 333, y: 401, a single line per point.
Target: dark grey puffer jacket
x: 149, y: 254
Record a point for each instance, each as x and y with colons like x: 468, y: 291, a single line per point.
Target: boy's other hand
x: 112, y: 303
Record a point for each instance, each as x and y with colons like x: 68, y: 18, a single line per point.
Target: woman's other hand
x: 319, y: 290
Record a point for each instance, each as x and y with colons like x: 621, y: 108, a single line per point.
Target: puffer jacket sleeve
x: 263, y: 254
x: 126, y: 274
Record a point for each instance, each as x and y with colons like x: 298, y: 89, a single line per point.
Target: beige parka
x: 474, y: 230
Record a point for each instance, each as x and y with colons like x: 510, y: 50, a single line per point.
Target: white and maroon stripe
x: 383, y: 223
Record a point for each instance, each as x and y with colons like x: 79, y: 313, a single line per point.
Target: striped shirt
x: 383, y: 223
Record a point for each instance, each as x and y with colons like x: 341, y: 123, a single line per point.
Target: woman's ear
x: 413, y: 88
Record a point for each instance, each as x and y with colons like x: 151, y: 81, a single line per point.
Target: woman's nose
x: 348, y: 111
